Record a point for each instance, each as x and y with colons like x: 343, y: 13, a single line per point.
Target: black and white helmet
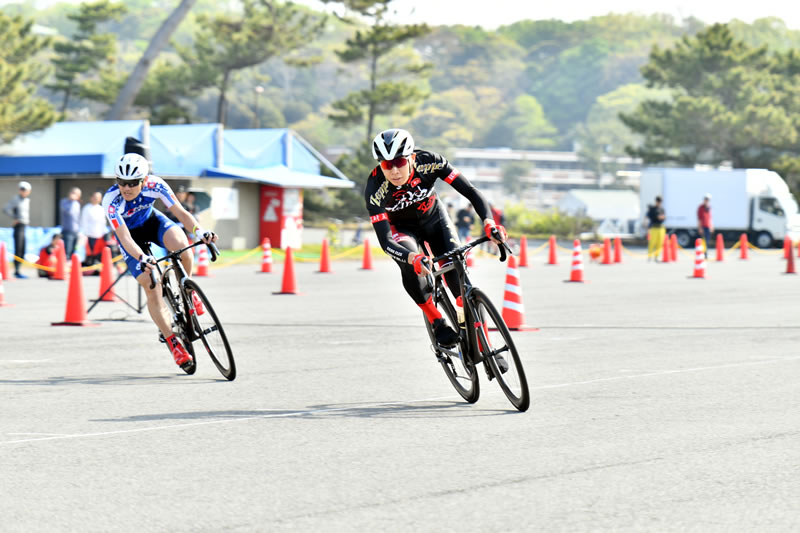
x: 132, y: 167
x: 391, y: 144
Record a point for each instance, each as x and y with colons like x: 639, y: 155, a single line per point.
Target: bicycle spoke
x: 498, y: 351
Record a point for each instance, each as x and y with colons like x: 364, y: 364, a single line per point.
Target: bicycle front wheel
x: 495, y: 345
x: 209, y: 330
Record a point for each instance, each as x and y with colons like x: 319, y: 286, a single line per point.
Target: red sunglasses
x: 399, y: 162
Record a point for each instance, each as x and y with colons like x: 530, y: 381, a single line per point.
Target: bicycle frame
x: 458, y: 263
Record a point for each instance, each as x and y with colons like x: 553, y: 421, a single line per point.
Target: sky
x: 493, y: 13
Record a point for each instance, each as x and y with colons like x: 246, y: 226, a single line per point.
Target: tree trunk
x: 373, y: 82
x: 221, y: 102
x: 128, y: 93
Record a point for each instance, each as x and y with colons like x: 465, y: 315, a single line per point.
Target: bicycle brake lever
x: 153, y: 279
x: 213, y: 251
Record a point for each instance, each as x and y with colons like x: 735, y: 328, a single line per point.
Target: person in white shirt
x: 94, y: 225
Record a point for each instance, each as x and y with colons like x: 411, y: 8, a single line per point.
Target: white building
x: 552, y: 174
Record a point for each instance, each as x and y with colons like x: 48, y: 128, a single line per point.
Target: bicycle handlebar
x: 503, y: 247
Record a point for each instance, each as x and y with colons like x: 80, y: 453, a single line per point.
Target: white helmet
x: 391, y: 144
x: 132, y: 167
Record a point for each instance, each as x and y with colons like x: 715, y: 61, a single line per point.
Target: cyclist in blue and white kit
x: 129, y: 207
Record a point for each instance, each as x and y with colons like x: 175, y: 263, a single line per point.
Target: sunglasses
x: 399, y: 162
x: 128, y: 183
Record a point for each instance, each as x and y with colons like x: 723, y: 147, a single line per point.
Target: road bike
x: 193, y: 317
x: 483, y: 334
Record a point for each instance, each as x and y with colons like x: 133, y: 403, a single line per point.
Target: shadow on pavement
x: 393, y: 410
x: 107, y: 379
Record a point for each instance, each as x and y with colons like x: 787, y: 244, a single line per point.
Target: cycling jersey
x: 145, y: 223
x: 415, y: 203
x: 134, y: 213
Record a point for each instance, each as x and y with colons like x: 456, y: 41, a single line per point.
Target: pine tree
x: 20, y: 74
x: 83, y: 62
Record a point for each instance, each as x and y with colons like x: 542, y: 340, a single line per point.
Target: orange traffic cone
x: 553, y: 258
x: 266, y: 256
x: 106, y: 295
x: 3, y: 292
x: 744, y: 247
x: 673, y: 241
x: 523, y: 252
x: 3, y: 261
x: 720, y: 247
x: 787, y: 247
x: 289, y: 285
x: 324, y: 260
x: 60, y: 272
x: 617, y: 250
x: 76, y: 305
x: 367, y: 262
x: 470, y: 260
x: 699, y: 260
x: 202, y: 262
x: 513, y: 309
x: 606, y: 251
x: 666, y: 251
x: 577, y: 263
x: 790, y: 265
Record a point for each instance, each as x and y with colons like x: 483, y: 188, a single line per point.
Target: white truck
x: 752, y: 201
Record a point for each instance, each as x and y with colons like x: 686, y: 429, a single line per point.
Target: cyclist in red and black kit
x: 405, y: 211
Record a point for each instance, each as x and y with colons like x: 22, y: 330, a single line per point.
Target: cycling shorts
x: 152, y: 231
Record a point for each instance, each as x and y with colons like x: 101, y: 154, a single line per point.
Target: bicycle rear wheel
x: 494, y: 340
x: 456, y: 362
x: 179, y: 311
x: 209, y: 330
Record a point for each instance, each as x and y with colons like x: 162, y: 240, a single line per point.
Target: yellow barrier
x: 98, y: 266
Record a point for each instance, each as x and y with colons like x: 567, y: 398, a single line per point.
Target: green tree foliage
x: 603, y: 135
x: 20, y: 73
x: 520, y: 220
x: 730, y: 103
x: 524, y: 126
x: 165, y: 89
x: 512, y: 174
x: 84, y: 63
x: 387, y: 92
x: 228, y: 43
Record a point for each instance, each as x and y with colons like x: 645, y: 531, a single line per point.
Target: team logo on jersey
x: 379, y: 195
x: 414, y: 182
x: 377, y: 218
x: 427, y: 168
x: 426, y: 205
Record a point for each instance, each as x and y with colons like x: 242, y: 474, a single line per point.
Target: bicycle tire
x: 459, y: 370
x: 515, y: 389
x: 208, y: 328
x: 178, y: 307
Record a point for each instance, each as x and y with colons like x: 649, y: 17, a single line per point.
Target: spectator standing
x: 465, y: 218
x: 655, y: 229
x: 93, y: 225
x: 70, y: 214
x: 704, y: 223
x: 19, y: 209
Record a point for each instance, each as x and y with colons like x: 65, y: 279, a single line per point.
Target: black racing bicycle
x: 193, y: 317
x: 483, y: 334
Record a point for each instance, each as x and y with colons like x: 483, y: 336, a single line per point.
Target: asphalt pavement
x: 659, y: 403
